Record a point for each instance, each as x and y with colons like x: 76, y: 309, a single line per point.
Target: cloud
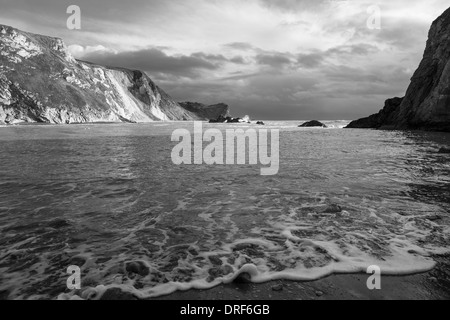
x: 238, y: 60
x: 342, y: 53
x: 240, y: 46
x: 361, y: 49
x: 294, y: 5
x: 311, y: 60
x: 275, y: 60
x: 80, y: 51
x: 209, y: 57
x: 156, y: 61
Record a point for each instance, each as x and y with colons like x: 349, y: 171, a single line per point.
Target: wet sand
x: 340, y: 287
x: 433, y: 285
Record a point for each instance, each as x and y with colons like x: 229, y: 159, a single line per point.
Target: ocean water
x: 109, y: 199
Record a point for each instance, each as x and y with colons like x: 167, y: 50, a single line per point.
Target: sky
x: 272, y: 60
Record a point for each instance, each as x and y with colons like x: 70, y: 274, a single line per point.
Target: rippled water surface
x: 109, y: 199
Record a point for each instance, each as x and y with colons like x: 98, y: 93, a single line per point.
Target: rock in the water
x: 434, y: 217
x: 227, y: 269
x: 244, y: 277
x: 41, y: 82
x: 261, y: 123
x: 78, y: 261
x: 319, y: 293
x: 444, y: 150
x: 58, y: 224
x: 116, y: 294
x: 426, y: 105
x: 215, y: 260
x: 313, y: 123
x: 217, y: 272
x: 333, y: 208
x: 138, y: 267
x: 222, y: 119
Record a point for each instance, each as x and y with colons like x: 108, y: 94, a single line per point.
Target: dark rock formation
x: 116, y: 294
x: 444, y: 150
x: 41, y: 82
x: 205, y: 112
x: 426, y: 105
x: 243, y: 278
x: 333, y: 208
x: 222, y: 119
x: 137, y: 267
x: 375, y: 121
x: 261, y: 123
x: 313, y: 123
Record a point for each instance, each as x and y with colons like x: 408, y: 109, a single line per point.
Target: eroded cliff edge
x: 426, y: 105
x: 207, y: 112
x: 40, y: 81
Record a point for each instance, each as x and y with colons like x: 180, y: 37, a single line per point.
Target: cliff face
x: 41, y: 82
x: 426, y: 105
x: 207, y: 112
x: 376, y: 121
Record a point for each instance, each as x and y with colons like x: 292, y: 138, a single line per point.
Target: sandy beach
x: 433, y: 285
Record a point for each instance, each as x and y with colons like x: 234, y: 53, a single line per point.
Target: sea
x: 108, y: 199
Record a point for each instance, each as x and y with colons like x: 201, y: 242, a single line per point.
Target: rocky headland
x: 41, y: 82
x: 426, y: 105
x: 207, y: 112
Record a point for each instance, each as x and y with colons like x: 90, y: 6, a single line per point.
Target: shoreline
x: 431, y: 285
x: 335, y: 287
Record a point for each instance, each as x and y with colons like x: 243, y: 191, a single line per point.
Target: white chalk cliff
x: 40, y: 81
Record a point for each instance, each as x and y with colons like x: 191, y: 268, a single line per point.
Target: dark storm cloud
x: 312, y: 60
x: 361, y: 49
x: 238, y: 60
x: 218, y: 58
x: 275, y: 60
x: 348, y: 73
x: 348, y: 91
x: 156, y: 61
x: 209, y: 57
x: 318, y: 58
x: 264, y: 96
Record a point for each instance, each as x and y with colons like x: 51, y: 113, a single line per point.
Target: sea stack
x: 313, y: 124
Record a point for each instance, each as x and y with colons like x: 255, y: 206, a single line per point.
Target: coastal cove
x: 179, y: 152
